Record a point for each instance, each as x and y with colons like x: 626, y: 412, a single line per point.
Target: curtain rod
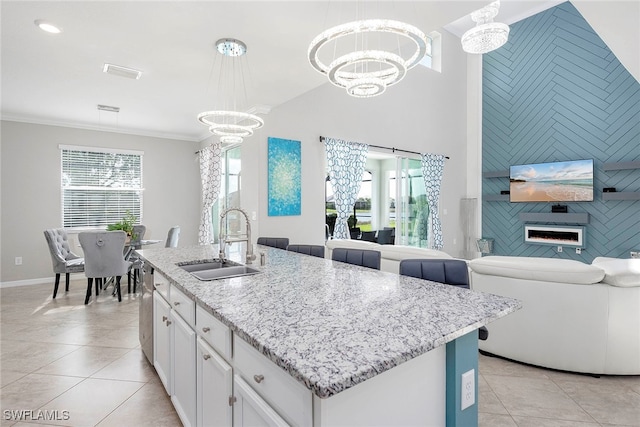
x: 393, y: 149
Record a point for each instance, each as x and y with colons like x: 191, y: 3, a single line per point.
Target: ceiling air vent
x: 108, y: 108
x: 117, y: 70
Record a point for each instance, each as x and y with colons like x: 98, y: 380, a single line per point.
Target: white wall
x: 31, y: 190
x: 426, y: 112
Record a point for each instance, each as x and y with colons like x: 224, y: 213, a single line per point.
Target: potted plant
x: 126, y: 225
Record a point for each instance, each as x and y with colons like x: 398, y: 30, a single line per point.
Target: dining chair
x: 362, y: 257
x: 313, y: 250
x: 448, y: 271
x: 369, y: 236
x: 136, y: 263
x: 104, y: 257
x: 275, y: 242
x: 172, y: 237
x: 354, y: 233
x: 63, y: 260
x: 384, y: 237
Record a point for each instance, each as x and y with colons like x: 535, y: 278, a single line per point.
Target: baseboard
x: 30, y: 282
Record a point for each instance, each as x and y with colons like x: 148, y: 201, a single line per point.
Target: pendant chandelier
x: 486, y: 35
x: 371, y: 62
x: 228, y: 121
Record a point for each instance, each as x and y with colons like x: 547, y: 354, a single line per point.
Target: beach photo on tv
x: 570, y: 181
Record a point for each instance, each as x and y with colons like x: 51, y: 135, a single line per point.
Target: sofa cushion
x: 352, y: 244
x: 624, y: 273
x: 400, y: 252
x: 541, y: 269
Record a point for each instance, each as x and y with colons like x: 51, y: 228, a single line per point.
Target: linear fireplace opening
x: 553, y: 235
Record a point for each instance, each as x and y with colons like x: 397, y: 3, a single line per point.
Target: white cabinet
x: 214, y: 332
x: 174, y: 347
x: 162, y: 340
x: 214, y: 388
x: 286, y: 395
x: 184, y: 370
x: 250, y: 409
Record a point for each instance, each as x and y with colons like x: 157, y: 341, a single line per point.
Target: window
x: 361, y: 209
x: 229, y: 197
x: 99, y: 186
x: 386, y: 201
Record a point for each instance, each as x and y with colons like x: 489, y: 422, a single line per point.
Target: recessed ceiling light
x: 47, y: 26
x: 118, y: 70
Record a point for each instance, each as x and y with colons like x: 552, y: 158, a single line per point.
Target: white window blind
x: 99, y: 187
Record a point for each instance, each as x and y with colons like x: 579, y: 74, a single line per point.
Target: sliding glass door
x: 411, y: 207
x: 393, y: 196
x: 229, y: 189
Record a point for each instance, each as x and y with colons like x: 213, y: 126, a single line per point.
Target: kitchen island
x: 350, y: 336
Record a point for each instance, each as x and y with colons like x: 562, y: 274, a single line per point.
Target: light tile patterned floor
x: 65, y: 356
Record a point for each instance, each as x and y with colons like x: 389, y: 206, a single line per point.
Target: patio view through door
x: 386, y: 201
x: 229, y: 189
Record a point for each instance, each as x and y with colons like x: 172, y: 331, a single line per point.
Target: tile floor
x: 60, y: 355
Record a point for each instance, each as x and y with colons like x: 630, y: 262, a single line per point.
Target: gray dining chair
x: 369, y: 236
x: 384, y: 237
x: 313, y: 250
x: 104, y: 257
x: 275, y: 242
x: 64, y: 261
x: 136, y: 263
x: 172, y: 237
x: 362, y: 257
x: 448, y: 271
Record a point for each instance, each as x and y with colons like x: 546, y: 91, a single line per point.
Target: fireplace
x: 557, y: 236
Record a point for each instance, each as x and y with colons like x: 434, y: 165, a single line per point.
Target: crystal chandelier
x: 486, y: 35
x: 227, y: 122
x: 368, y: 69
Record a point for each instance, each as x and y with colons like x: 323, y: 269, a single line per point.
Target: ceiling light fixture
x: 227, y: 121
x: 370, y: 68
x: 118, y: 70
x: 47, y: 26
x: 486, y: 35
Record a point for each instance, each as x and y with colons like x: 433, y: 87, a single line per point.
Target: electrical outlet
x: 253, y: 216
x: 468, y: 389
x: 18, y: 260
x: 578, y: 251
x: 559, y: 248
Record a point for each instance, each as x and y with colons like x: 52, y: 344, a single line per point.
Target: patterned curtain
x: 210, y: 177
x: 432, y: 169
x: 346, y: 161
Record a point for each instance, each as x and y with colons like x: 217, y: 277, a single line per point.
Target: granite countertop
x: 331, y: 325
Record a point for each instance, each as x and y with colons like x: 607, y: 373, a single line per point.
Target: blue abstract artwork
x: 284, y: 177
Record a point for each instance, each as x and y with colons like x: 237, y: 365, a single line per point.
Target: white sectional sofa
x: 575, y: 317
x: 390, y: 255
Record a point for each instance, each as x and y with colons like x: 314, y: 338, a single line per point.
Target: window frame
x: 133, y: 190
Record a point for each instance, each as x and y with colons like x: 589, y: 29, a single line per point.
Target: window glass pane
x: 418, y: 207
x: 99, y: 188
x: 229, y: 197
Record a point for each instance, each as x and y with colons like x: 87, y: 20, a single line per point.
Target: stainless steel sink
x: 215, y: 269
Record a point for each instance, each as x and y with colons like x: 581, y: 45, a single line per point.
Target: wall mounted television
x: 570, y: 181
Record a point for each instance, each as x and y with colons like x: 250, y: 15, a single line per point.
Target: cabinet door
x: 162, y: 334
x: 250, y: 409
x: 215, y: 388
x: 184, y: 370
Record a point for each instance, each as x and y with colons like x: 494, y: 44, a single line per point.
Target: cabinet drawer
x: 183, y: 305
x: 214, y: 332
x: 161, y: 284
x: 288, y: 397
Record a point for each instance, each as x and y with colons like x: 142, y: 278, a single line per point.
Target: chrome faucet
x: 224, y: 239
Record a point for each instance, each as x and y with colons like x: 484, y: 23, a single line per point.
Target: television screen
x: 570, y: 181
